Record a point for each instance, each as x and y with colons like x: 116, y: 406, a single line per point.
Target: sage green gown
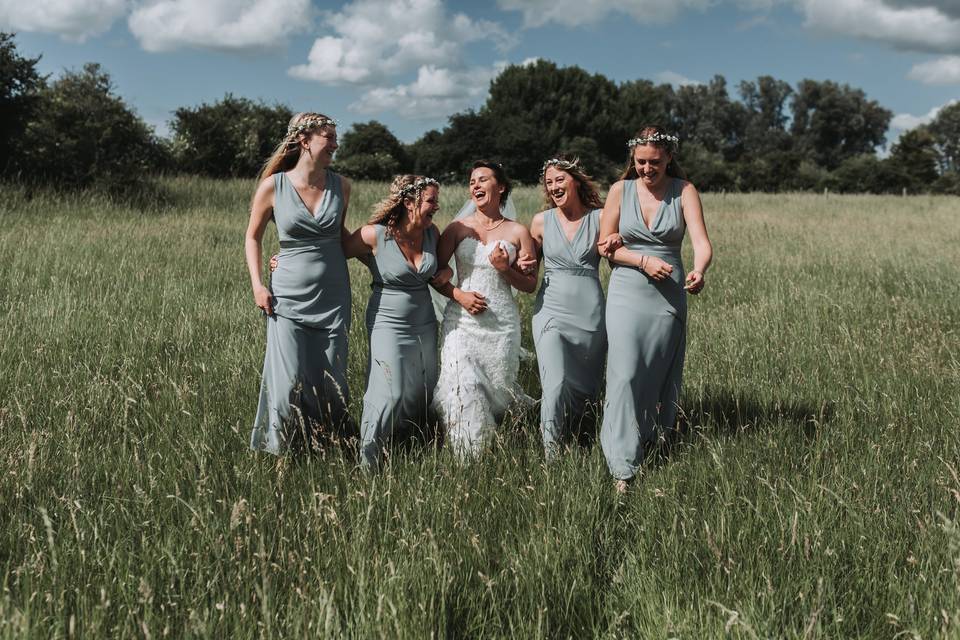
x: 646, y: 330
x: 568, y: 328
x: 402, y: 328
x: 304, y: 393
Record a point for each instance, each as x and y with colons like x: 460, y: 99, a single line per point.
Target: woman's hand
x: 610, y: 244
x: 263, y: 299
x: 274, y: 261
x: 655, y: 267
x: 472, y: 301
x: 499, y: 258
x: 695, y: 282
x: 442, y: 276
x: 527, y: 264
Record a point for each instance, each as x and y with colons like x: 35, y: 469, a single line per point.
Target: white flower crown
x: 656, y: 137
x: 417, y: 187
x: 563, y: 165
x: 309, y: 124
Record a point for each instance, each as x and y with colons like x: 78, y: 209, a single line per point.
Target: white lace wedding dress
x: 480, y: 354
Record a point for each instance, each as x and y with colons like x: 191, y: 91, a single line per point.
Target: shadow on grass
x: 731, y: 415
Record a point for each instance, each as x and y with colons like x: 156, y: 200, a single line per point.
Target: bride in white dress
x: 480, y: 351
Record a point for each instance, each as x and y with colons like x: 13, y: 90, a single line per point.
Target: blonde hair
x: 586, y: 189
x: 659, y: 138
x: 286, y: 154
x: 391, y: 211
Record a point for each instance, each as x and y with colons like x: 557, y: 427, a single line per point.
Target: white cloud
x: 915, y: 26
x: 436, y: 92
x: 225, y: 25
x: 574, y: 13
x: 373, y: 40
x: 944, y: 70
x: 675, y: 79
x: 72, y: 19
x: 905, y: 121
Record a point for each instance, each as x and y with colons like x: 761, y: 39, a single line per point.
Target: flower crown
x: 559, y: 163
x: 654, y: 138
x: 417, y: 187
x: 309, y: 124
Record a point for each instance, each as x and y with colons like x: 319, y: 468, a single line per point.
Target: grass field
x: 814, y: 493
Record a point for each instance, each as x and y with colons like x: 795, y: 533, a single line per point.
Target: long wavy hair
x: 586, y: 188
x: 673, y: 169
x: 392, y: 210
x: 286, y: 154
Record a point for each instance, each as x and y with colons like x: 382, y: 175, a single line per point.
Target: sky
x: 412, y: 63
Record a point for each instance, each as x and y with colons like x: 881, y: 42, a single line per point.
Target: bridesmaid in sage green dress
x: 303, y: 393
x: 651, y: 207
x: 399, y: 245
x: 568, y: 326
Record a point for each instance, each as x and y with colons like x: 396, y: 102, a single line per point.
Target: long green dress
x: 646, y: 330
x: 304, y: 393
x: 402, y: 328
x: 568, y: 327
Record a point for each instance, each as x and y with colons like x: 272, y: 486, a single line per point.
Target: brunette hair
x: 654, y: 131
x: 586, y: 188
x: 499, y: 174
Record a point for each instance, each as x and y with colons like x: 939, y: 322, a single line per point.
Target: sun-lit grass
x: 814, y: 492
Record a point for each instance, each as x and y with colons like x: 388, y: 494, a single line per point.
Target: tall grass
x: 814, y: 492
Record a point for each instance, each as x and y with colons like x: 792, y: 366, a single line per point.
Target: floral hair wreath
x: 562, y: 165
x: 417, y: 187
x: 309, y: 124
x: 670, y: 140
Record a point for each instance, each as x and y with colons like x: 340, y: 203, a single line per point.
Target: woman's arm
x: 472, y: 301
x: 261, y: 210
x: 611, y: 243
x: 526, y: 282
x: 702, y: 248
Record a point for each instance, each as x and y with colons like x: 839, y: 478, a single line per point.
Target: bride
x: 480, y: 353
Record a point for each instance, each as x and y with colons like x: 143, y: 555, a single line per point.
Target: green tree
x: 704, y: 114
x: 83, y: 134
x: 833, y: 122
x: 915, y: 153
x: 765, y: 104
x: 370, y: 151
x: 945, y: 129
x: 446, y: 155
x: 231, y: 137
x: 20, y: 89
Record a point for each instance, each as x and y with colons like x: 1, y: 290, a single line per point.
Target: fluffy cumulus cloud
x: 675, y: 79
x: 225, y: 25
x: 945, y: 70
x: 372, y: 40
x: 915, y: 25
x: 905, y: 121
x: 436, y: 92
x: 72, y: 19
x: 574, y: 13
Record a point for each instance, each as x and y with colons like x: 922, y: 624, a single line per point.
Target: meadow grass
x: 813, y: 492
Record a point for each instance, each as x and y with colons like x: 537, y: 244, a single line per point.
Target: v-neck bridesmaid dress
x: 304, y: 393
x: 402, y: 328
x: 568, y: 329
x: 646, y: 330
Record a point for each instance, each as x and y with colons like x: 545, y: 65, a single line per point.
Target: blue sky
x: 412, y: 63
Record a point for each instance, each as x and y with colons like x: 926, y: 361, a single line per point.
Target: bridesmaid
x: 651, y: 207
x: 568, y: 327
x: 400, y: 248
x: 303, y: 393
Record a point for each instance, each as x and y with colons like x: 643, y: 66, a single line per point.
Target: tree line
x: 76, y: 132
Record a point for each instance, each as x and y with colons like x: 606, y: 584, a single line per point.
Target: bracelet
x: 702, y: 274
x: 643, y: 264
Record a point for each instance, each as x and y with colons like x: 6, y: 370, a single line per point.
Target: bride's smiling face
x: 484, y: 189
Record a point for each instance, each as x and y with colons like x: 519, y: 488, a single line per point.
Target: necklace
x: 491, y: 227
